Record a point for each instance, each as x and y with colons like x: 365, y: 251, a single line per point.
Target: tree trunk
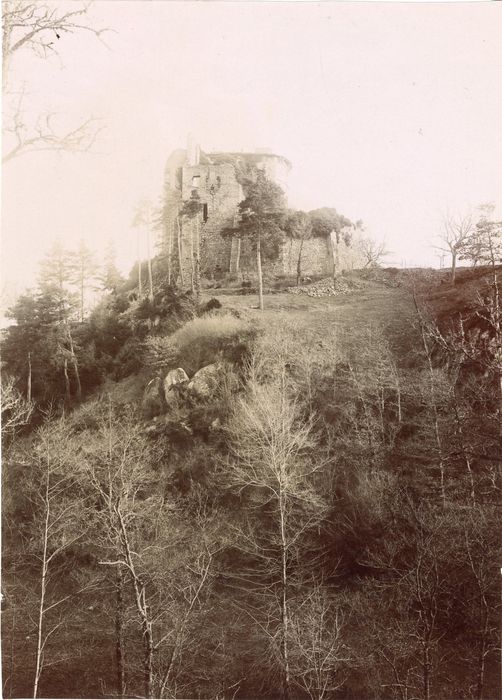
x: 453, y: 265
x: 43, y: 588
x: 6, y: 44
x: 260, y: 275
x: 197, y: 259
x: 435, y: 412
x: 75, y: 364
x: 337, y: 256
x: 496, y: 314
x: 333, y: 244
x: 119, y: 634
x: 192, y: 259
x: 169, y: 253
x: 284, y: 602
x: 141, y: 607
x: 299, y: 264
x: 66, y: 380
x: 140, y: 281
x: 148, y: 661
x: 465, y: 452
x: 238, y: 256
x: 82, y: 298
x: 484, y: 644
x: 28, y: 390
x: 180, y: 251
x: 149, y: 258
x: 426, y: 673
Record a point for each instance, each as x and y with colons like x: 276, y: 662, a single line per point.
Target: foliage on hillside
x: 323, y: 525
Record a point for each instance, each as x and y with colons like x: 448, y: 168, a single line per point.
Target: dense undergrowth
x: 324, y: 524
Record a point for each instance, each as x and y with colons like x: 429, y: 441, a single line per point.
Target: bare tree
x: 43, y: 135
x: 274, y: 465
x: 59, y: 516
x: 479, y: 547
x: 456, y: 231
x: 412, y: 597
x: 142, y: 538
x: 298, y: 226
x: 441, y: 456
x: 318, y: 651
x: 16, y: 410
x: 372, y: 251
x: 38, y: 27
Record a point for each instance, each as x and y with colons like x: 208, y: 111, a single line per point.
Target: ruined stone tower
x: 215, y: 178
x: 215, y: 181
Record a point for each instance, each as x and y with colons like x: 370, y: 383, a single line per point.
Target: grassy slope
x: 376, y: 304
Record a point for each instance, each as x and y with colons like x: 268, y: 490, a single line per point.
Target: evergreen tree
x: 261, y: 215
x: 83, y: 273
x: 110, y: 277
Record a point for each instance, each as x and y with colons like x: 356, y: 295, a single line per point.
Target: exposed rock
x: 153, y: 398
x: 174, y: 378
x: 205, y: 382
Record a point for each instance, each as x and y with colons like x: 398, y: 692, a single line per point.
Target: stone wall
x: 215, y: 179
x: 315, y: 258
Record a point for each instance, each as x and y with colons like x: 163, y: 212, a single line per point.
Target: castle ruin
x: 215, y: 180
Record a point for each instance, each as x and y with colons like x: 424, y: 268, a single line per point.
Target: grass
x: 376, y: 304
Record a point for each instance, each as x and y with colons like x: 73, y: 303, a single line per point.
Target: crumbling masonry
x: 216, y: 178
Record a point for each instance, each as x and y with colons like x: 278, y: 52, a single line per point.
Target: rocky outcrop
x: 173, y: 380
x: 205, y: 382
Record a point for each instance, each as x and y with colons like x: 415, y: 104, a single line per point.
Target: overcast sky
x: 389, y: 112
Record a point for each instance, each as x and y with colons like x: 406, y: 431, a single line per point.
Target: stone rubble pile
x: 323, y: 288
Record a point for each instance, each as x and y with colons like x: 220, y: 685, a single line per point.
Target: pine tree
x: 261, y: 214
x: 110, y: 277
x: 83, y: 273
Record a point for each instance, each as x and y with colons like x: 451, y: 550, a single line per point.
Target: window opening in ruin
x: 204, y: 213
x: 196, y: 181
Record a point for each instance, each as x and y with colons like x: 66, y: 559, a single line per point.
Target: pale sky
x: 389, y: 112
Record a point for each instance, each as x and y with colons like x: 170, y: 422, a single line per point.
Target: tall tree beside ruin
x: 191, y: 212
x: 142, y: 220
x: 261, y: 214
x: 298, y: 226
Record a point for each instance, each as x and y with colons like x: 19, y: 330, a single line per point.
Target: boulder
x: 173, y: 379
x: 205, y: 382
x: 153, y: 398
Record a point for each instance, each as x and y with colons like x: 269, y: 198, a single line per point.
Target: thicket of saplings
x: 326, y: 525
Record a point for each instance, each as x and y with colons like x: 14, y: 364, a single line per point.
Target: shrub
x: 209, y: 339
x: 210, y: 305
x: 160, y: 352
x: 129, y: 359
